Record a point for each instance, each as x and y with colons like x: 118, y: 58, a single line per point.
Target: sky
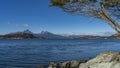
x: 37, y: 16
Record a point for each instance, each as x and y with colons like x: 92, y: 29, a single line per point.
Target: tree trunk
x: 109, y: 20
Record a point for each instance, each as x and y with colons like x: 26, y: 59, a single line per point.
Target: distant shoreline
x: 26, y: 34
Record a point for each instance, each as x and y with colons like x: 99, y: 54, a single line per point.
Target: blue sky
x: 36, y: 15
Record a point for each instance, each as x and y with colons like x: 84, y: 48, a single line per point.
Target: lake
x: 31, y: 53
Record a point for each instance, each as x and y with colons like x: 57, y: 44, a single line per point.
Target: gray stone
x: 65, y: 64
x: 104, y: 60
x: 53, y: 65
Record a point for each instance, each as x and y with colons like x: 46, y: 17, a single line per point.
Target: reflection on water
x: 31, y: 53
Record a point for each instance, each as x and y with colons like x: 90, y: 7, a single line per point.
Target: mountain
x: 27, y: 34
x: 28, y: 31
x: 19, y: 35
x: 49, y: 35
x: 114, y: 36
x: 85, y: 37
x: 1, y: 36
x: 75, y: 36
x: 105, y: 33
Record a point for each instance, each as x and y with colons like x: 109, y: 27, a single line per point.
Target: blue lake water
x: 32, y: 53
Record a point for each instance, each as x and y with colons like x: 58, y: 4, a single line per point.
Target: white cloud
x: 25, y: 25
x: 18, y: 24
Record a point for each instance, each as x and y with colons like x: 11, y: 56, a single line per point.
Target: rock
x: 72, y: 64
x: 65, y: 65
x: 54, y: 65
x: 40, y: 67
x: 76, y: 63
x: 68, y: 64
x: 104, y: 60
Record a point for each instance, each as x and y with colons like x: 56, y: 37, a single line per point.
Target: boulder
x: 54, y: 65
x: 76, y: 63
x: 68, y: 64
x: 72, y: 64
x: 104, y: 60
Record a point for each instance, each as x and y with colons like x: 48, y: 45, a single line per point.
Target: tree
x: 107, y: 10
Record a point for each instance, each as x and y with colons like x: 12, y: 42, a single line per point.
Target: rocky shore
x: 104, y: 60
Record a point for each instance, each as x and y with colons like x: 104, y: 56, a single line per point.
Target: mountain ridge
x: 27, y: 34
